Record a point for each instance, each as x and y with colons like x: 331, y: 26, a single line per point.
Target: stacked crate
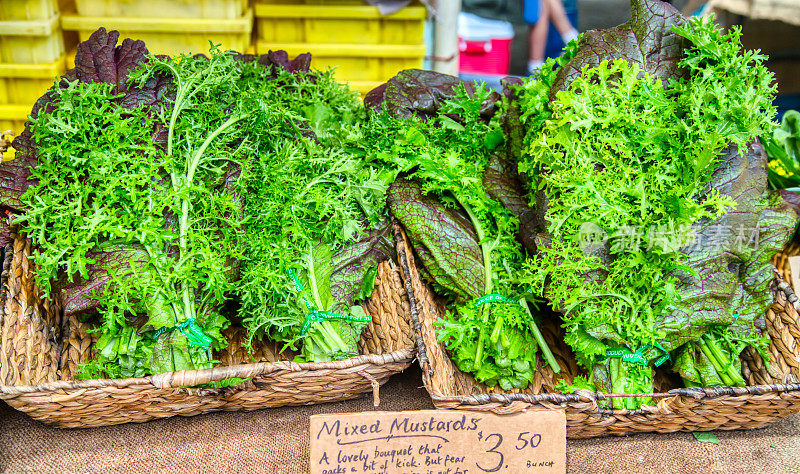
x: 168, y: 26
x: 365, y: 47
x: 32, y: 55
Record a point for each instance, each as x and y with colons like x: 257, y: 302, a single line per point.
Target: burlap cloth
x: 276, y: 440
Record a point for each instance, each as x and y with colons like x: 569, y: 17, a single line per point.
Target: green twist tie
x: 492, y: 298
x: 299, y: 286
x: 627, y: 355
x: 194, y: 333
x: 638, y: 357
x: 663, y: 358
x: 736, y: 315
x: 317, y: 316
x: 635, y: 358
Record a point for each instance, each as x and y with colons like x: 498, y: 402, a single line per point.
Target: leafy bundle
x: 464, y: 236
x: 644, y: 170
x: 316, y: 222
x: 146, y: 182
x: 125, y: 199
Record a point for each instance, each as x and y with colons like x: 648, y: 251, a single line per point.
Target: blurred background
x: 367, y: 41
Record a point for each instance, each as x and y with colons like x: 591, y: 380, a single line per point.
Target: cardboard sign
x: 794, y: 268
x: 439, y: 442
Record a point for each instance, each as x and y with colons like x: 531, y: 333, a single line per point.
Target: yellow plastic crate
x: 364, y: 67
x: 341, y: 24
x: 31, y: 41
x: 170, y: 35
x: 13, y: 117
x: 16, y: 10
x: 218, y: 9
x: 312, y: 2
x: 25, y: 83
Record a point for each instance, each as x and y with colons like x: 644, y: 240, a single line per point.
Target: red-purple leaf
x: 647, y: 39
x: 122, y: 261
x: 444, y: 239
x: 731, y: 255
x: 351, y: 264
x: 502, y: 182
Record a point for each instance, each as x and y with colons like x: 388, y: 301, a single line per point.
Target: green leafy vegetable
x: 783, y: 150
x: 119, y: 217
x: 466, y: 238
x: 152, y: 179
x: 633, y: 157
x: 315, y: 218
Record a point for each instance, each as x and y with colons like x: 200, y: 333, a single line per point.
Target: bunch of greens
x: 464, y: 236
x: 316, y: 225
x: 146, y: 183
x: 639, y: 147
x: 127, y: 204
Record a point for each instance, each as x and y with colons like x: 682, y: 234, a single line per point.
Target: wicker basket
x: 771, y: 395
x: 40, y: 350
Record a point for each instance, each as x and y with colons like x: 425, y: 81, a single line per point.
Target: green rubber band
x: 316, y: 316
x: 191, y: 330
x: 493, y: 298
x: 618, y: 352
x: 634, y: 358
x: 627, y: 356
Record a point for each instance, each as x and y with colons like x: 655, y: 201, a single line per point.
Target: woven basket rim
x: 580, y: 395
x: 587, y: 396
x: 187, y: 378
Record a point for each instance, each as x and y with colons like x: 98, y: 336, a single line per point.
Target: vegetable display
x: 646, y: 177
x: 169, y: 195
x: 623, y: 189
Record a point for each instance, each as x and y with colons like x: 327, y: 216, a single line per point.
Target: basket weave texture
x: 772, y: 393
x: 40, y: 350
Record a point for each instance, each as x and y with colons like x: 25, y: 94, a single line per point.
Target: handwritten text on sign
x: 438, y: 442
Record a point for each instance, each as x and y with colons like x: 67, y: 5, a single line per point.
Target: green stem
x: 485, y: 252
x: 192, y: 165
x: 498, y: 325
x: 318, y: 339
x: 487, y: 270
x: 312, y: 281
x: 617, y: 381
x: 479, y: 350
x: 723, y: 375
x: 327, y: 339
x: 548, y: 355
x: 175, y: 311
x: 726, y: 362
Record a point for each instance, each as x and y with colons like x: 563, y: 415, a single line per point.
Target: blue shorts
x: 531, y: 11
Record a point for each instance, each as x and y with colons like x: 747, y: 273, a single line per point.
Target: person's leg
x: 559, y: 18
x: 537, y: 37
